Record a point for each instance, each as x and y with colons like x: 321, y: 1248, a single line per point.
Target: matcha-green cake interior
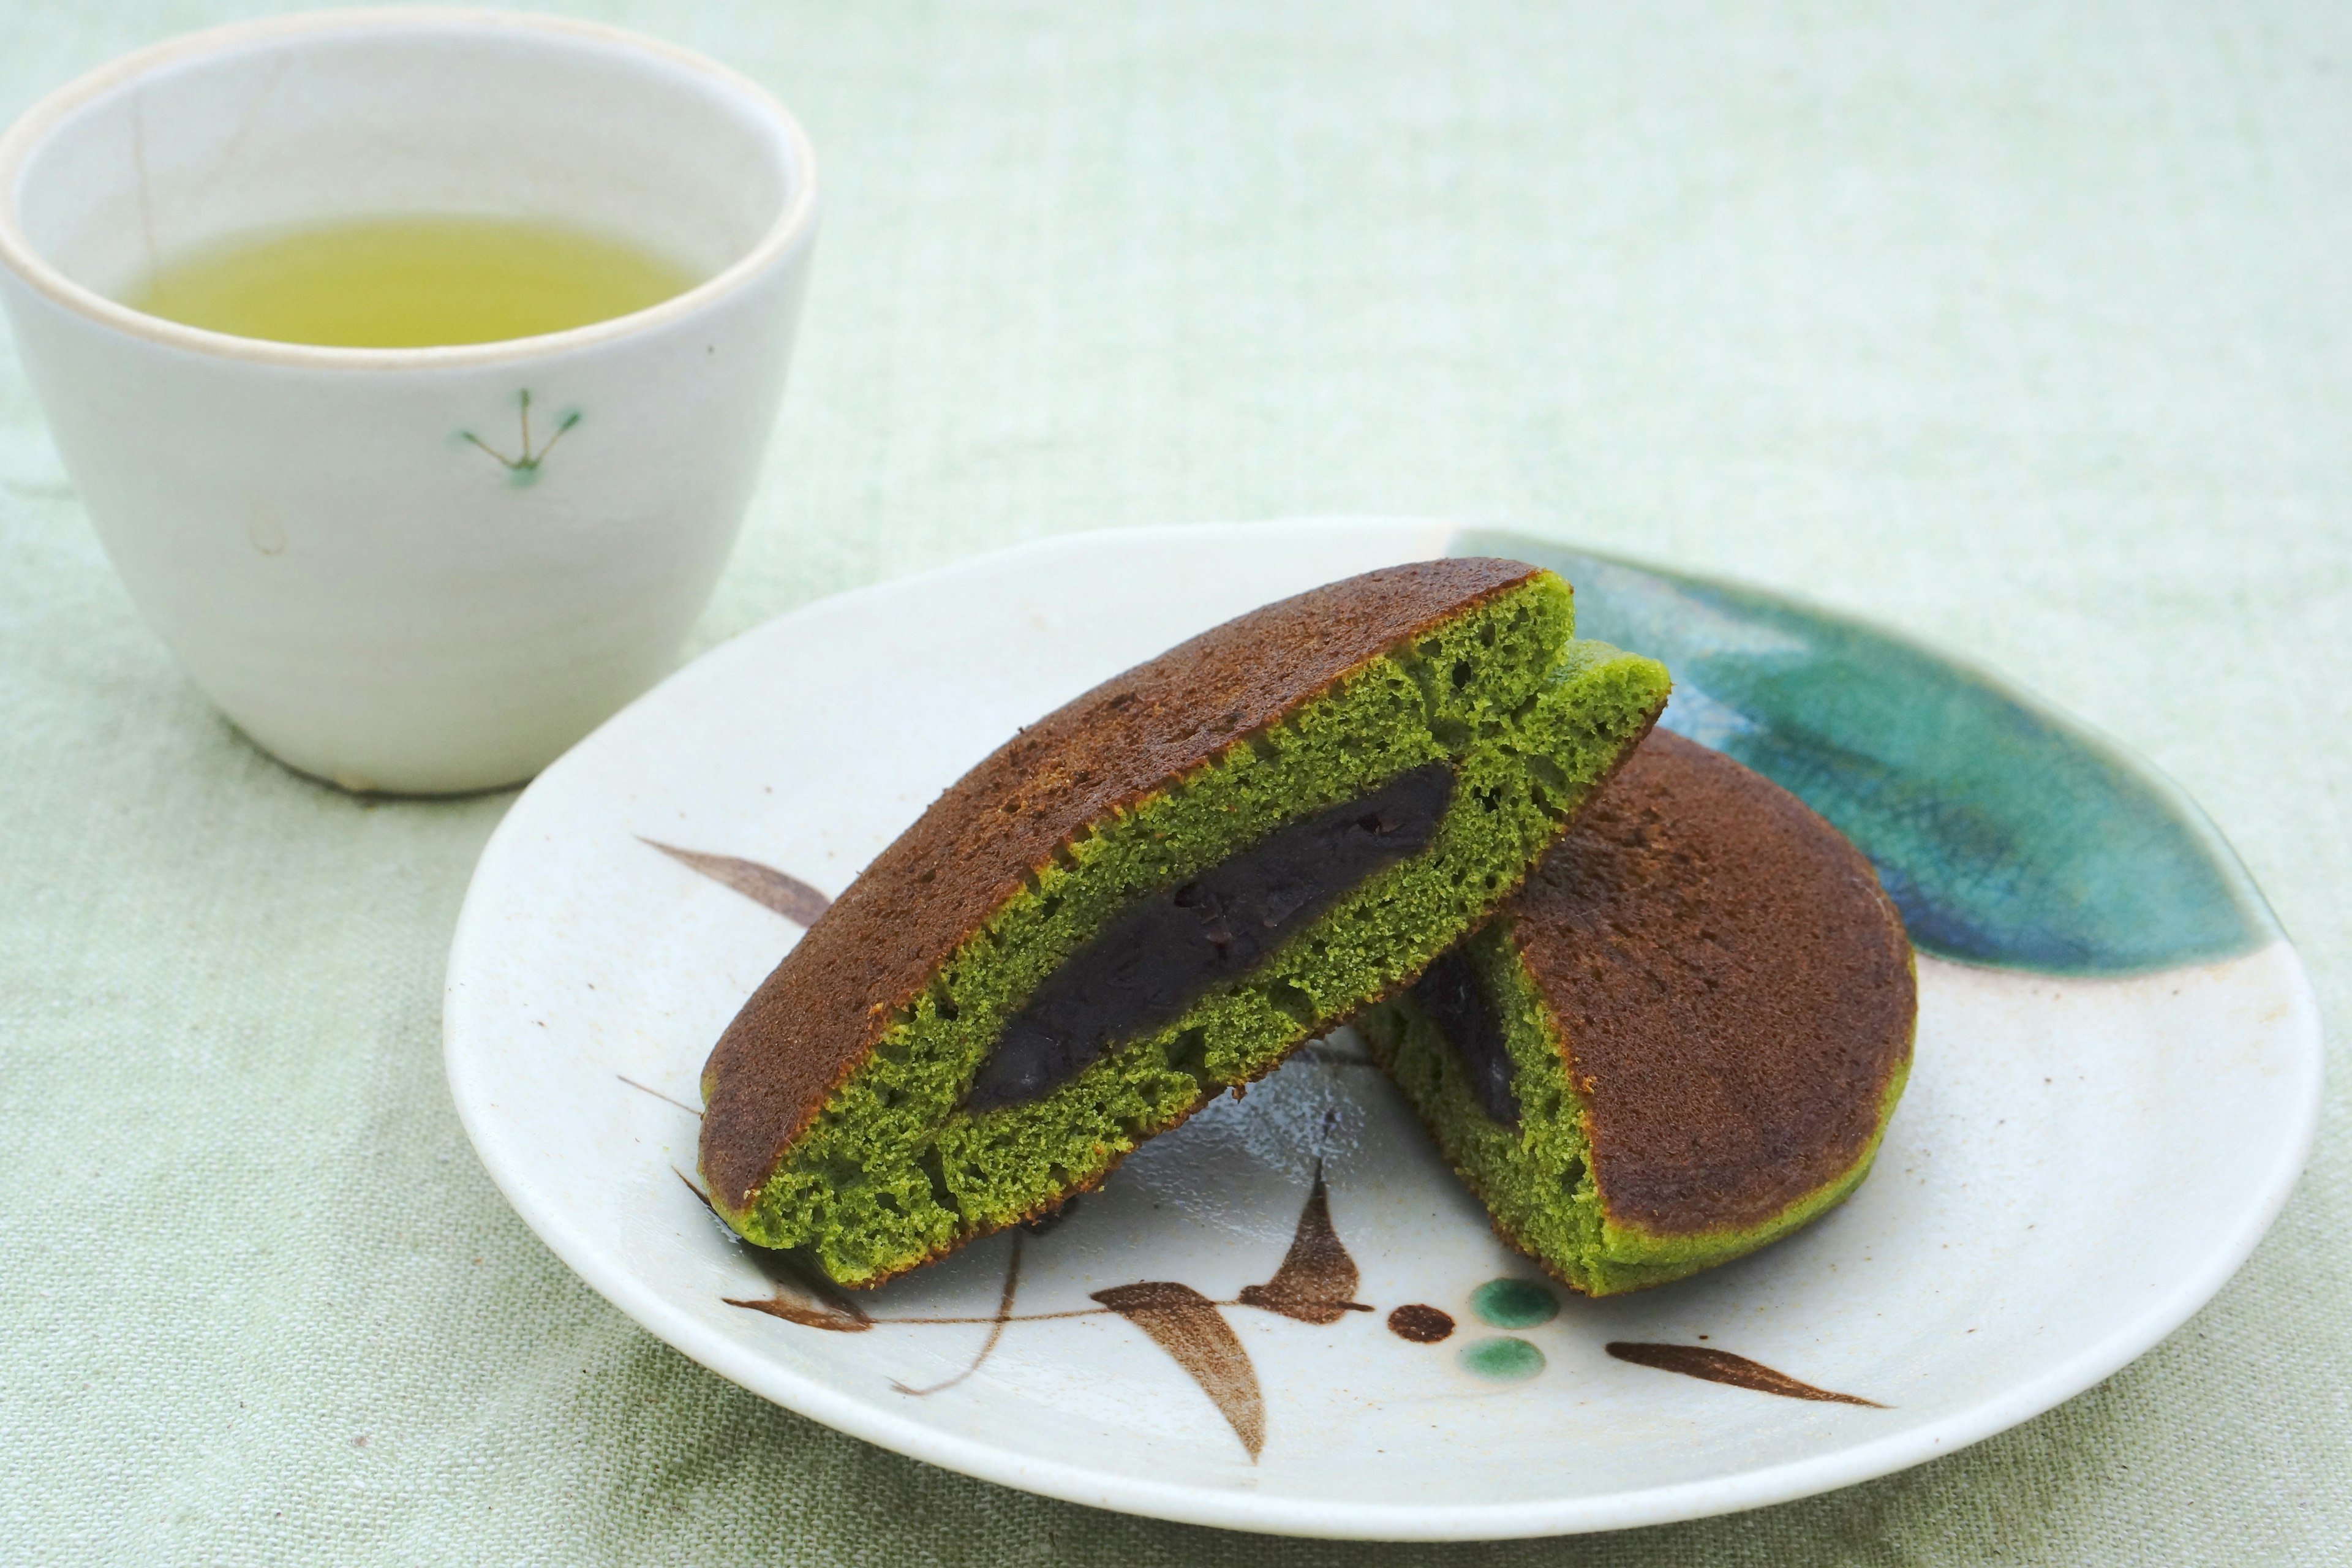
x: 1680, y: 1040
x: 1496, y: 725
x: 1533, y: 1168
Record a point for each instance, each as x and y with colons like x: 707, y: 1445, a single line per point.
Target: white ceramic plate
x: 2031, y: 1226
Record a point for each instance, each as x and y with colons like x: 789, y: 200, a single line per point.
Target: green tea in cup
x: 499, y: 307
x: 419, y: 281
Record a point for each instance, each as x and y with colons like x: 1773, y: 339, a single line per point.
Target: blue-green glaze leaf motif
x: 2006, y: 834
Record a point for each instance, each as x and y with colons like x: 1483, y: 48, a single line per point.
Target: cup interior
x: 279, y: 126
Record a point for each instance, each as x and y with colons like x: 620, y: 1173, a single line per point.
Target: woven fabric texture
x: 2026, y: 329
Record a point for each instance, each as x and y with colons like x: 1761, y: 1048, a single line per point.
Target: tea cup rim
x: 791, y: 230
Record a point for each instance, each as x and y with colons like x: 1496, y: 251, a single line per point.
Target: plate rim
x: 2299, y: 1025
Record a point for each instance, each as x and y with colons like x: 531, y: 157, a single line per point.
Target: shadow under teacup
x: 413, y: 569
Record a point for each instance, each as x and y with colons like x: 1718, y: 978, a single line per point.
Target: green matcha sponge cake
x: 1679, y: 1041
x: 1152, y: 894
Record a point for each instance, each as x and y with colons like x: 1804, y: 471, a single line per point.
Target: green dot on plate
x: 1501, y: 1359
x: 1513, y: 1303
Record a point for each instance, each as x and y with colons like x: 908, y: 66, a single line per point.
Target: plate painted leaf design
x: 808, y: 1314
x: 786, y: 894
x: 1316, y: 1281
x: 1188, y: 1326
x: 2006, y: 833
x: 1713, y: 1365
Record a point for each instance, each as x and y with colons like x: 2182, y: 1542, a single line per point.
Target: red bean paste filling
x: 1159, y: 957
x: 1449, y: 992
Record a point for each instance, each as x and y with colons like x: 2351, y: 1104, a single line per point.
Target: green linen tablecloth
x: 2027, y: 328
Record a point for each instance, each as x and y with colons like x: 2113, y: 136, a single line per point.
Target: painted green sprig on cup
x: 523, y: 471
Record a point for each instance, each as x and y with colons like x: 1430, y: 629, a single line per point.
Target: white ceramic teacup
x: 411, y: 570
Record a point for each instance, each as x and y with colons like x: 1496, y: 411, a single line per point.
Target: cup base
x: 367, y: 790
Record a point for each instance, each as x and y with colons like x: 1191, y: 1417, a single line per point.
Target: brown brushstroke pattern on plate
x: 1316, y: 1281
x: 807, y: 1315
x: 1188, y: 1326
x: 1421, y: 1324
x: 764, y: 885
x: 995, y: 1328
x: 1313, y: 1284
x: 1721, y: 1366
x: 666, y: 1100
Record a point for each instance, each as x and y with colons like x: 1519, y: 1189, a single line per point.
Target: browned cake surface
x: 1734, y: 990
x: 806, y: 1028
